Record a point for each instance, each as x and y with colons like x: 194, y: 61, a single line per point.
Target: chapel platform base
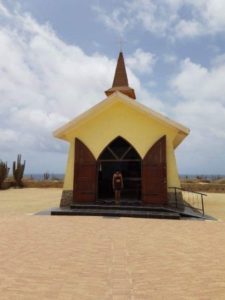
x: 123, y: 210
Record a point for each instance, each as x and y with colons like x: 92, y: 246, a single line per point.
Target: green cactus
x: 46, y: 176
x: 4, y: 171
x: 18, y: 170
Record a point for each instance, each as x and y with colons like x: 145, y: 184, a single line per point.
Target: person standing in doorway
x: 117, y: 183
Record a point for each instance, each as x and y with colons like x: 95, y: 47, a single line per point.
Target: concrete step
x: 116, y: 213
x: 120, y: 207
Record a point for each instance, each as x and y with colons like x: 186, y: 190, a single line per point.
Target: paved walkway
x: 44, y: 257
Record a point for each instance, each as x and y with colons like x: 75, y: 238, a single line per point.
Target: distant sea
x: 60, y: 176
x: 202, y: 176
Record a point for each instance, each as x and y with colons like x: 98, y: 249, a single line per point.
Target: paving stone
x: 44, y: 257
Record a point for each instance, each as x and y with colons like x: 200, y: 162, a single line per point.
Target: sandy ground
x: 30, y: 200
x: 215, y: 205
x: 44, y: 257
x: 27, y: 201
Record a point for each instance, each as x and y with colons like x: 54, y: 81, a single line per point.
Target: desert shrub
x: 42, y: 184
x: 4, y: 171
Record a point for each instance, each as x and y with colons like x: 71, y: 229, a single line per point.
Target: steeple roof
x: 120, y: 82
x: 120, y: 78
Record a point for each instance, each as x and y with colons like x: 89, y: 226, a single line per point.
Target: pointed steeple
x: 120, y: 82
x: 120, y: 77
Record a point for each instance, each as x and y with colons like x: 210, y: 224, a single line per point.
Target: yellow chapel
x: 121, y: 134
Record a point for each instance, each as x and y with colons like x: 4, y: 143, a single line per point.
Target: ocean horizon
x: 60, y: 176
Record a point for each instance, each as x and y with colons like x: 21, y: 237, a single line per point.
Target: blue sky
x: 58, y: 57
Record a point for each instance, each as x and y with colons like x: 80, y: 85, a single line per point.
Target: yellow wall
x: 122, y: 120
x: 68, y: 179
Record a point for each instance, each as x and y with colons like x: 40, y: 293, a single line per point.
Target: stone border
x: 66, y: 199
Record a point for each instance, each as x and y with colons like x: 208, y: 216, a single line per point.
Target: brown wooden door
x: 154, y: 177
x: 84, y: 174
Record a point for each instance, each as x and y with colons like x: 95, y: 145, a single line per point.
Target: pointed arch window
x: 118, y: 150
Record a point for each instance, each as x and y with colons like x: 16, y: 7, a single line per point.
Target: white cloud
x: 219, y: 60
x: 188, y: 28
x: 202, y: 107
x: 7, y: 136
x: 171, y: 18
x: 212, y: 13
x: 44, y: 83
x: 4, y: 11
x: 146, y: 12
x: 196, y: 82
x: 170, y: 58
x: 141, y: 61
x: 117, y: 20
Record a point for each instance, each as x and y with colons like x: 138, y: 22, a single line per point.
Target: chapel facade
x: 120, y: 133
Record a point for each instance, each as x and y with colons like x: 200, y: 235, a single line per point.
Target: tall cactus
x: 18, y: 170
x: 4, y: 171
x: 46, y: 176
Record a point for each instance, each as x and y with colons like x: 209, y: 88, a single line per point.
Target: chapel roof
x: 120, y: 82
x: 117, y: 96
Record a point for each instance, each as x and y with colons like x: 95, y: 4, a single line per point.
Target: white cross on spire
x: 121, y: 42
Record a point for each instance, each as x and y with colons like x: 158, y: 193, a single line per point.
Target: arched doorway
x: 119, y: 155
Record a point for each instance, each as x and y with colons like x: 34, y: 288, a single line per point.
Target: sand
x: 44, y: 257
x: 215, y: 205
x: 28, y: 201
